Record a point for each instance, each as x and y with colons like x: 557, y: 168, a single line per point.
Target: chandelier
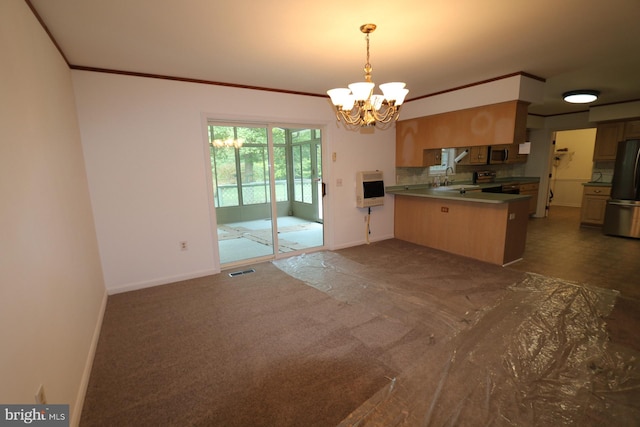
x: 229, y: 142
x: 358, y: 106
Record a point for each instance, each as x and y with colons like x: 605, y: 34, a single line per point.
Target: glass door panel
x: 241, y: 179
x: 306, y: 203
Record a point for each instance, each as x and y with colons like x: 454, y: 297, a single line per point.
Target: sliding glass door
x: 267, y: 190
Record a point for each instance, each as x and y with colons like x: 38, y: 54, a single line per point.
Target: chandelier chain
x: 367, y: 66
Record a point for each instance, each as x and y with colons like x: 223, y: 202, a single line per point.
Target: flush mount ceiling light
x: 581, y: 96
x: 358, y: 106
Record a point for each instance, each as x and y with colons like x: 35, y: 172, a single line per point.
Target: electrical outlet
x: 184, y: 245
x: 41, y: 399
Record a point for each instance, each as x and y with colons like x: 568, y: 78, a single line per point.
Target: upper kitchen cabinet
x: 609, y: 134
x: 632, y: 129
x: 476, y: 155
x: 502, y: 123
x: 607, y: 137
x: 432, y: 157
x: 410, y: 144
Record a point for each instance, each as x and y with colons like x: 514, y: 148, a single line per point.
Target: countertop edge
x: 596, y: 184
x: 469, y: 196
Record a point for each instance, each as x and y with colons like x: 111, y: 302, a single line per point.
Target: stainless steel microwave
x: 498, y: 154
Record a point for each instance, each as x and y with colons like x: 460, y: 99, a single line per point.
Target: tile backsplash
x: 409, y: 176
x: 602, y: 172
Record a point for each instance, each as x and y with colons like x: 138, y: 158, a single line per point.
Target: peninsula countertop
x: 457, y: 191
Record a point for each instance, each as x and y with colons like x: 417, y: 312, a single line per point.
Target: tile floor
x: 252, y: 239
x: 558, y: 246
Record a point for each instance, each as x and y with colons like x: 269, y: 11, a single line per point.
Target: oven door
x: 511, y: 188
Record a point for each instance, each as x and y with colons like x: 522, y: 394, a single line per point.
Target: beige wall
x: 573, y: 167
x: 51, y: 285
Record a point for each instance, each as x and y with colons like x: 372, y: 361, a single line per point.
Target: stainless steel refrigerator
x: 622, y: 215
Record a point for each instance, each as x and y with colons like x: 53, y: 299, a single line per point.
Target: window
x: 241, y: 172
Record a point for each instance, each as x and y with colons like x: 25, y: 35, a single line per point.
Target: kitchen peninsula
x: 462, y: 220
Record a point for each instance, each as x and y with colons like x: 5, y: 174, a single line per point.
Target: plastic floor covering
x: 537, y: 355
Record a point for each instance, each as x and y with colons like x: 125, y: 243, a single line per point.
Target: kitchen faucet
x: 446, y: 175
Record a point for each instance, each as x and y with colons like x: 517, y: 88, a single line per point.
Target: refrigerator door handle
x: 623, y: 204
x: 635, y: 173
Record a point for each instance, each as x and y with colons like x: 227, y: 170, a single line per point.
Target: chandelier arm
x: 349, y: 118
x: 386, y: 115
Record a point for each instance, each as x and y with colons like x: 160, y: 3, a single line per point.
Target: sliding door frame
x: 207, y: 119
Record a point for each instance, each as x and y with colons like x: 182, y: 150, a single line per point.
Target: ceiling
x: 309, y: 47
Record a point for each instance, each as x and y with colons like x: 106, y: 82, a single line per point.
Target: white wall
x: 51, y: 287
x: 146, y: 157
x: 493, y: 92
x: 572, y: 168
x: 538, y: 165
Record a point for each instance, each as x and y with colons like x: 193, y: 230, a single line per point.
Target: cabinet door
x: 409, y: 143
x: 607, y: 137
x: 502, y: 123
x: 477, y: 155
x: 632, y: 129
x: 515, y: 156
x: 594, y: 204
x: 432, y: 157
x: 593, y: 208
x: 531, y: 189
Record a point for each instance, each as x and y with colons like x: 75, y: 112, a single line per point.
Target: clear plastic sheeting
x: 535, y: 353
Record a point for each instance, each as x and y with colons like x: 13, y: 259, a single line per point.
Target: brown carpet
x: 257, y: 349
x: 387, y: 334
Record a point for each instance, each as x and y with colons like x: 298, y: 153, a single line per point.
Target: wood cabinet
x: 410, y: 143
x: 452, y: 226
x: 607, y: 137
x: 632, y: 129
x: 609, y: 134
x: 502, y: 123
x: 531, y: 189
x: 477, y: 155
x: 432, y: 157
x: 594, y: 203
x: 520, y: 135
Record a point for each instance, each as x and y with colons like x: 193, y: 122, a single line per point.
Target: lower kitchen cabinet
x: 452, y: 225
x: 594, y: 204
x: 531, y: 189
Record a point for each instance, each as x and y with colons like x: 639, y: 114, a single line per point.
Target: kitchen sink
x: 456, y: 187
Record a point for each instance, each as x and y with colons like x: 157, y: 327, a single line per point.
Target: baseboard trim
x: 160, y: 281
x: 361, y: 242
x: 84, y: 382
